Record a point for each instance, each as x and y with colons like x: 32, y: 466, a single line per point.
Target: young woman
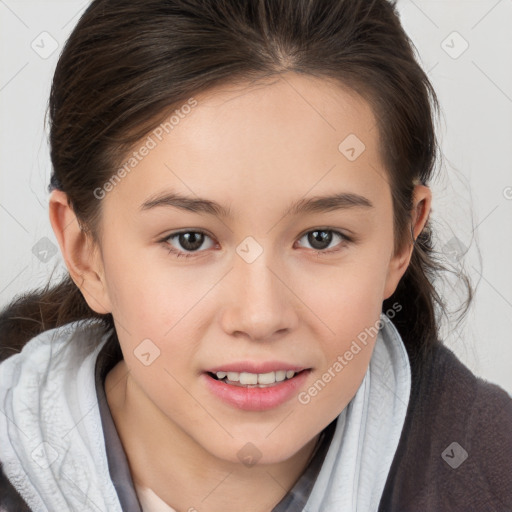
x: 240, y: 194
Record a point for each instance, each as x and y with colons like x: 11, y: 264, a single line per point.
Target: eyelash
x: 182, y: 254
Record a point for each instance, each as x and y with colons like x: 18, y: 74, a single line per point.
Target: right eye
x: 190, y: 242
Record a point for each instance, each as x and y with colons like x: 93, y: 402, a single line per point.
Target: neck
x: 181, y: 472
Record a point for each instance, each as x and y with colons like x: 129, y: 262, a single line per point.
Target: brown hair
x: 127, y: 64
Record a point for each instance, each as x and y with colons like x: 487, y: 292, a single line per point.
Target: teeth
x: 280, y: 375
x: 233, y: 376
x: 246, y: 378
x: 263, y: 378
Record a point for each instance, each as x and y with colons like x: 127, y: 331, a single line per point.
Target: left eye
x: 191, y: 241
x: 320, y: 239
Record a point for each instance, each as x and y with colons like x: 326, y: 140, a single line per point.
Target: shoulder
x: 33, y: 385
x: 461, y: 397
x: 74, y: 340
x: 455, y: 451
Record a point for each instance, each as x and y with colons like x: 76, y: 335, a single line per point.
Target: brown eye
x: 186, y: 243
x: 321, y: 239
x: 191, y: 241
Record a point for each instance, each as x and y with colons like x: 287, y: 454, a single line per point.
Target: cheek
x: 139, y: 290
x: 348, y: 306
x: 348, y: 294
x: 154, y: 314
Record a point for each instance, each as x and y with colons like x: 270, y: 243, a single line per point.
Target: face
x: 260, y: 279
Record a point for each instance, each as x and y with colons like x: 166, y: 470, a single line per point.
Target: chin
x: 264, y: 451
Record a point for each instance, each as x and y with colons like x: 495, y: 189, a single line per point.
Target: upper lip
x: 252, y: 367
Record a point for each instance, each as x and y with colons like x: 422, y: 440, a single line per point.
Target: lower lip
x: 256, y: 399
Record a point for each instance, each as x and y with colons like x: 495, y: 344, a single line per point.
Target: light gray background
x: 472, y: 196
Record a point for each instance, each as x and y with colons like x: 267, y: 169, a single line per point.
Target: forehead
x: 274, y: 140
x: 298, y: 113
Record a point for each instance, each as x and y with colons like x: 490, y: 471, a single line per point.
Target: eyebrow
x: 339, y: 201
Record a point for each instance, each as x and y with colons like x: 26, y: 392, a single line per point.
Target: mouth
x: 255, y: 380
x: 256, y: 392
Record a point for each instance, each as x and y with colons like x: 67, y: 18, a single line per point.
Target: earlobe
x: 80, y: 254
x: 422, y: 205
x: 422, y: 200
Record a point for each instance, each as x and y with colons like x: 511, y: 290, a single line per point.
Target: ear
x: 422, y: 200
x: 81, y: 255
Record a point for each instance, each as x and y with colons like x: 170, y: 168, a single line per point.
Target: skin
x: 254, y: 149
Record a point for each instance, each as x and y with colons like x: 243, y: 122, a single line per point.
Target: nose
x: 261, y: 305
